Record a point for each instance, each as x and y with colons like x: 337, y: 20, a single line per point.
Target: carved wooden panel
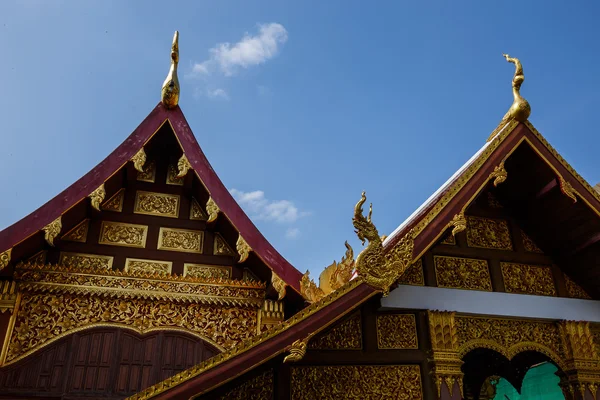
x: 120, y: 234
x: 488, y: 233
x: 462, y: 273
x: 206, y: 271
x: 259, y: 387
x: 148, y: 266
x: 159, y: 204
x: 529, y: 244
x: 528, y: 279
x: 115, y: 202
x: 413, y: 274
x: 574, y: 290
x: 149, y: 174
x: 397, y: 331
x: 172, y: 178
x: 85, y: 261
x: 91, y: 362
x: 78, y: 233
x: 346, y: 335
x: 398, y: 382
x: 185, y: 240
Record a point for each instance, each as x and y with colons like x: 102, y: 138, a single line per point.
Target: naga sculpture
x: 378, y: 269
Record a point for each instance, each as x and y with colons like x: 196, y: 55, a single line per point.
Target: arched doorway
x: 489, y: 375
x: 109, y: 362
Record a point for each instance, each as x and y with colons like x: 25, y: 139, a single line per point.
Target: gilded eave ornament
x: 183, y: 166
x: 243, y: 249
x: 52, y: 230
x: 499, y: 175
x: 170, y: 88
x: 139, y: 159
x: 567, y: 189
x: 297, y: 350
x: 5, y: 258
x: 458, y: 223
x: 97, y: 197
x: 212, y: 209
x: 380, y: 271
x: 279, y: 285
x: 338, y: 274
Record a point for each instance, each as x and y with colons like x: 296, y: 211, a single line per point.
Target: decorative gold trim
x: 38, y: 258
x: 462, y: 273
x: 122, y: 234
x: 337, y: 274
x: 182, y: 240
x: 488, y: 233
x: 297, y: 350
x: 221, y: 247
x: 243, y: 249
x: 458, y: 223
x: 139, y: 159
x: 148, y: 266
x: 8, y: 295
x: 9, y: 329
x: 249, y: 344
x: 279, y: 285
x: 396, y: 331
x: 52, y: 230
x: 172, y: 178
x: 97, y: 197
x: 528, y: 279
x: 271, y: 313
x: 212, y: 209
x: 196, y: 211
x: 183, y: 166
x: 5, y: 258
x: 149, y: 174
x: 344, y: 335
x: 567, y: 189
x: 78, y: 233
x: 85, y: 261
x: 169, y: 94
x: 309, y: 289
x: 446, y: 361
x: 499, y: 174
x: 115, y: 203
x: 204, y: 271
x: 159, y: 204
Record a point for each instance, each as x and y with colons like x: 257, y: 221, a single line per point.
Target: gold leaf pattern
x: 574, y: 290
x: 38, y: 258
x: 258, y: 388
x: 180, y: 240
x: 212, y: 209
x: 139, y: 159
x: 397, y: 331
x: 115, y: 203
x: 279, y: 285
x: 97, y: 197
x: 161, y: 204
x: 85, y: 261
x: 78, y: 233
x: 172, y: 178
x: 149, y: 174
x: 529, y: 244
x: 183, y: 166
x: 148, y: 266
x: 346, y: 335
x: 52, y: 230
x: 449, y: 240
x: 414, y: 274
x: 243, y: 249
x: 528, y: 279
x: 488, y: 233
x: 359, y: 382
x: 221, y: 248
x: 462, y: 273
x: 121, y: 234
x: 5, y: 258
x: 196, y: 211
x: 206, y: 271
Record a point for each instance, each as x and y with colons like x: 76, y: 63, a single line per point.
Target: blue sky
x: 299, y: 106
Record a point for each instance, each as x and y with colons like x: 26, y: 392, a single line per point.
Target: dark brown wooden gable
x: 82, y: 225
x: 495, y: 253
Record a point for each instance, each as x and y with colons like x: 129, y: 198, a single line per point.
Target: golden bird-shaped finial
x: 520, y: 109
x: 170, y: 88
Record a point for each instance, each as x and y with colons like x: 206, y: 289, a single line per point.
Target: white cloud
x: 261, y: 208
x: 250, y: 51
x: 217, y: 94
x: 292, y: 233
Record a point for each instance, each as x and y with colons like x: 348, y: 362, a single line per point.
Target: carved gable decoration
x: 346, y: 335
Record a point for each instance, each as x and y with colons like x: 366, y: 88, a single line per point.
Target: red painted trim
x: 78, y: 191
x: 268, y: 349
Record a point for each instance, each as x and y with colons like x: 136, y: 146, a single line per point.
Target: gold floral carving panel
x: 161, y: 204
x: 462, y: 273
x: 121, y: 234
x: 488, y: 233
x: 196, y: 211
x: 185, y: 240
x: 172, y: 178
x: 42, y: 318
x: 528, y: 279
x: 359, y: 382
x: 84, y: 261
x: 115, y: 203
x: 574, y: 290
x: 529, y: 244
x: 509, y: 337
x: 346, y: 335
x: 38, y: 258
x: 397, y: 331
x: 258, y: 388
x: 413, y: 274
x: 149, y: 174
x: 221, y: 248
x: 206, y: 271
x: 148, y: 266
x: 78, y: 233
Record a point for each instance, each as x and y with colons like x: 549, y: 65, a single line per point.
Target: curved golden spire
x: 520, y: 109
x: 170, y: 88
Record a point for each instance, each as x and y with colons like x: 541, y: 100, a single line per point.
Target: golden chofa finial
x: 170, y: 88
x: 520, y: 109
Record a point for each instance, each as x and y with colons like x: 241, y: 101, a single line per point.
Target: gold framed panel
x: 115, y: 203
x: 207, y: 271
x: 157, y: 204
x: 183, y: 240
x: 148, y: 266
x: 84, y: 260
x: 123, y: 234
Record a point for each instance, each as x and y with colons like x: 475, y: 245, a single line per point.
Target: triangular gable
x: 80, y: 190
x: 444, y: 210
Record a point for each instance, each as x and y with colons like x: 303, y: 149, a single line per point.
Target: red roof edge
x: 219, y: 193
x: 79, y: 190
